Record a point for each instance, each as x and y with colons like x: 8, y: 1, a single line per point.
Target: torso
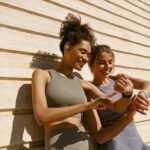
x: 108, y: 116
x: 62, y: 91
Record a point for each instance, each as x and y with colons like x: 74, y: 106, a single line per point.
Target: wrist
x: 147, y: 95
x: 126, y: 120
x: 88, y: 105
x: 127, y: 94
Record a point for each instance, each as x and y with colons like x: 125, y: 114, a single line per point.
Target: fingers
x: 144, y: 99
x: 123, y: 81
x: 140, y: 104
x: 141, y: 111
x: 119, y: 87
x: 132, y: 100
x: 123, y: 85
x: 122, y: 75
x: 102, y: 103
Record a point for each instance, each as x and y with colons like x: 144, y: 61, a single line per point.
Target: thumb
x: 110, y: 95
x: 132, y: 100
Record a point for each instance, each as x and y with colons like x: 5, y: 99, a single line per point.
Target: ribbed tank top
x: 62, y: 91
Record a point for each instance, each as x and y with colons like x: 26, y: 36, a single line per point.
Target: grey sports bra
x: 62, y: 91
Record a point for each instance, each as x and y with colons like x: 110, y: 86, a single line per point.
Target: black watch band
x: 127, y: 96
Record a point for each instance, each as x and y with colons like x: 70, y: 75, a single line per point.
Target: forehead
x: 84, y: 45
x: 105, y: 55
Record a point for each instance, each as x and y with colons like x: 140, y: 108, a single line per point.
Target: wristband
x: 127, y: 96
x: 145, y: 92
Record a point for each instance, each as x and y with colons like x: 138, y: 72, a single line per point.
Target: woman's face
x: 79, y: 54
x: 103, y: 65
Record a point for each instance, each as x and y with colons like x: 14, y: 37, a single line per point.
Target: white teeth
x: 106, y: 72
x: 81, y: 63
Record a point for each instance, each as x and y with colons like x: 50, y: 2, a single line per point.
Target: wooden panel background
x: 29, y: 39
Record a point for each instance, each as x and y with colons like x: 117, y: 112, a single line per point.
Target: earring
x: 66, y: 47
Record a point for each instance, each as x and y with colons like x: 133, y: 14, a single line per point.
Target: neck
x: 65, y: 69
x: 99, y: 81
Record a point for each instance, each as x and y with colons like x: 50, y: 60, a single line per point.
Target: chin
x: 107, y: 76
x: 78, y: 68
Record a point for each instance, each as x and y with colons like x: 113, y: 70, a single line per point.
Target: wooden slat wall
x: 29, y: 39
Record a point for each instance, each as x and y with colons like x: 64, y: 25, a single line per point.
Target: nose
x: 107, y: 65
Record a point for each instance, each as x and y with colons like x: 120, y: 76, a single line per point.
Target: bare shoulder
x: 86, y: 84
x: 40, y: 74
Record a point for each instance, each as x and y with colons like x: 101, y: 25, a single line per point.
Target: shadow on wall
x: 44, y: 60
x: 24, y: 124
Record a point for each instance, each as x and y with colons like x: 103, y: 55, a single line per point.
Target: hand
x: 123, y: 85
x: 140, y: 103
x: 102, y: 102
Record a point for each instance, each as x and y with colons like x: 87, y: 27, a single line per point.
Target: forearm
x: 91, y: 89
x: 50, y: 115
x: 107, y: 133
x: 121, y: 105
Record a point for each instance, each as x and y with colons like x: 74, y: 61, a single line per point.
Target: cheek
x: 101, y: 67
x: 112, y: 66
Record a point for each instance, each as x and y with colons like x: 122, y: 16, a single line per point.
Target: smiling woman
x: 101, y: 65
x: 58, y: 96
x: 77, y: 56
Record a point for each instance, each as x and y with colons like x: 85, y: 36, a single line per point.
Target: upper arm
x: 140, y: 83
x: 39, y: 80
x: 91, y: 89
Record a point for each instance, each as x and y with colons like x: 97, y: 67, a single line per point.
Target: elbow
x: 100, y: 137
x: 100, y: 140
x: 41, y: 119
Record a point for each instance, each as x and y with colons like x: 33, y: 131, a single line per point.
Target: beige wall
x: 27, y: 27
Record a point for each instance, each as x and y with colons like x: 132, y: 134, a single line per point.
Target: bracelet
x: 145, y: 92
x: 126, y: 96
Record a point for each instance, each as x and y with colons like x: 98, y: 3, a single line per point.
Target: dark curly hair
x: 97, y: 50
x: 74, y: 32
